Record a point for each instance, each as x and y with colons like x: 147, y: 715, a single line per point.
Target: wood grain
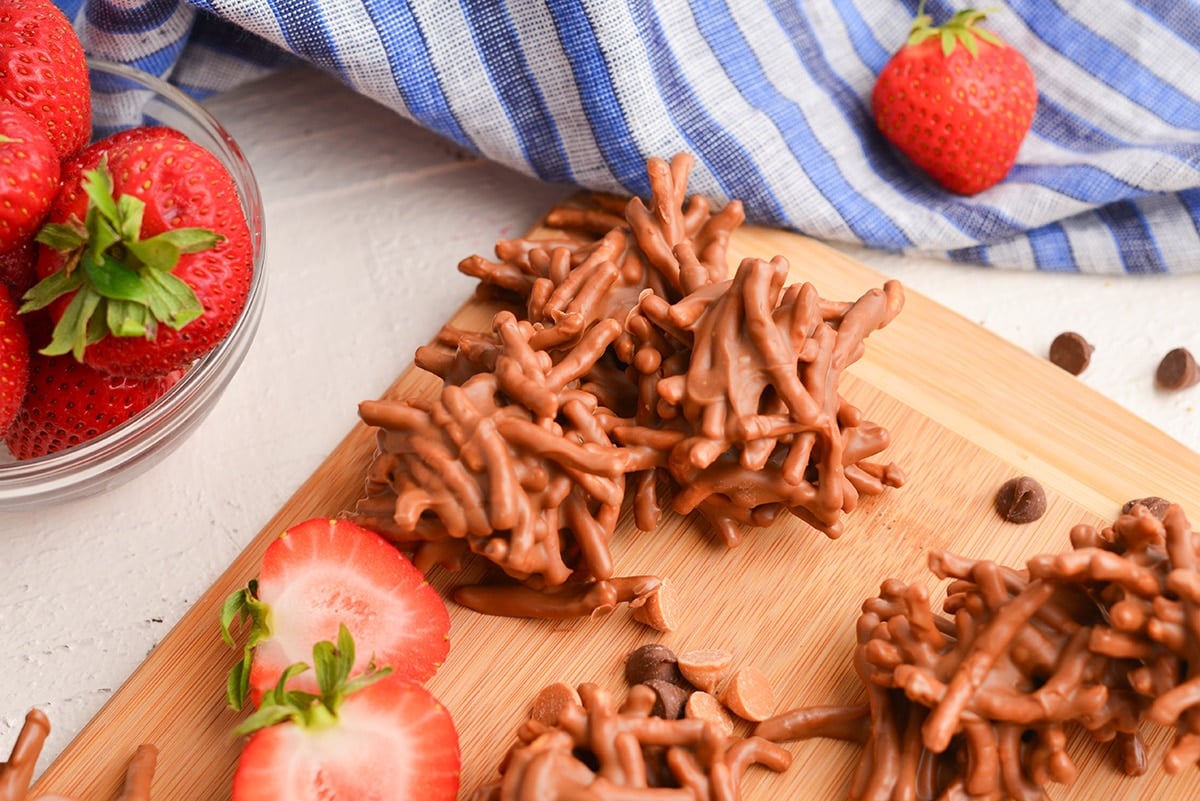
x: 966, y: 409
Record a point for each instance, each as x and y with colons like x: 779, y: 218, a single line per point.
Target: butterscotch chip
x: 550, y: 702
x: 1071, y: 352
x: 749, y: 694
x: 705, y: 706
x: 1021, y: 500
x: 669, y: 699
x: 658, y: 608
x: 652, y: 661
x: 705, y: 668
x: 1177, y: 370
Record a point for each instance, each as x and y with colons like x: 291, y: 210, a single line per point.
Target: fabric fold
x: 772, y: 97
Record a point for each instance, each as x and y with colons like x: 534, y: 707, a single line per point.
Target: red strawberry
x: 28, y: 177
x: 14, y: 359
x: 957, y: 100
x: 366, y: 736
x: 43, y: 72
x: 146, y: 260
x: 89, y: 158
x: 321, y: 574
x: 67, y: 403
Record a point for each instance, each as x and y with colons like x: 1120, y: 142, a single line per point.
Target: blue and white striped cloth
x: 771, y: 96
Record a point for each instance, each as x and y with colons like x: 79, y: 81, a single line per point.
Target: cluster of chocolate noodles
x: 631, y: 360
x: 17, y: 773
x: 977, y: 704
x: 579, y: 743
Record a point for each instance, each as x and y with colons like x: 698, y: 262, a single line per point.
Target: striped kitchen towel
x: 772, y: 97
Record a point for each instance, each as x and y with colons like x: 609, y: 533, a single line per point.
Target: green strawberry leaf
x: 126, y: 318
x: 74, y: 330
x: 126, y: 287
x: 97, y: 184
x: 130, y: 211
x: 62, y: 237
x: 370, y: 675
x: 947, y: 37
x: 333, y: 664
x: 279, y: 704
x: 155, y: 253
x: 102, y: 233
x: 961, y: 27
x: 968, y: 40
x: 988, y: 36
x: 237, y: 684
x: 53, y: 286
x: 171, y: 299
x: 190, y: 240
x: 114, y: 280
x: 244, y: 606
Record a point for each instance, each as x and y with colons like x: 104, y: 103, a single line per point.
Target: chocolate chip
x: 1071, y: 352
x: 670, y: 699
x: 1021, y: 500
x: 1154, y: 505
x: 652, y: 661
x: 1177, y: 370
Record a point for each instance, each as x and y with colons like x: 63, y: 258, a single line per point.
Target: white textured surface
x: 367, y: 218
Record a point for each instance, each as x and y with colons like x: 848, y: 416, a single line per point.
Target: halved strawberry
x: 319, y: 575
x: 368, y: 735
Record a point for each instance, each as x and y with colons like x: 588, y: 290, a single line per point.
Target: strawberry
x: 370, y: 735
x: 146, y: 259
x: 43, y: 72
x: 28, y: 177
x: 319, y: 575
x: 18, y: 270
x: 957, y: 100
x: 90, y: 157
x: 67, y: 403
x: 14, y: 359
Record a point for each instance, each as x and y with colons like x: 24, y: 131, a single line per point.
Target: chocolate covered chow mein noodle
x: 667, y: 740
x: 632, y: 361
x: 16, y: 774
x: 978, y: 703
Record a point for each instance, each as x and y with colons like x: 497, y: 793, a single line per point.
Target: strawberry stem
x: 244, y: 606
x: 333, y: 664
x: 126, y: 287
x: 960, y: 28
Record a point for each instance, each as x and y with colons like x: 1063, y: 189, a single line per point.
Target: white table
x: 367, y: 218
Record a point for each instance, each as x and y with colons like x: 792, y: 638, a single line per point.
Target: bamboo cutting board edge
x: 917, y: 362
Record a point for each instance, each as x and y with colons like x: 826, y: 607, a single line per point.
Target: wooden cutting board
x: 966, y: 411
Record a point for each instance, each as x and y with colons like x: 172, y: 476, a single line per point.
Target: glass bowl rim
x: 157, y: 423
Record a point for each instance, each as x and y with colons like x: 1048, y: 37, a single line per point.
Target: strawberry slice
x: 370, y: 735
x: 319, y: 575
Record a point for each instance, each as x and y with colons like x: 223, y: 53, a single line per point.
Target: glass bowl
x: 123, y: 97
